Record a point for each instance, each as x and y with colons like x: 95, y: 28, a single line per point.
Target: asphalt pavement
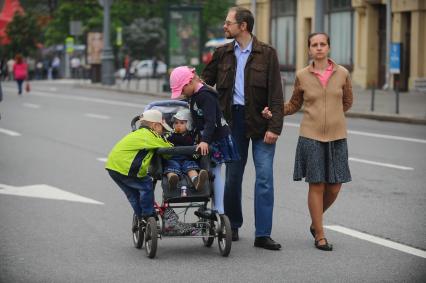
x: 383, y: 105
x: 62, y: 219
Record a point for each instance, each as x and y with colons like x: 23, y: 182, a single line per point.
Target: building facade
x: 357, y: 29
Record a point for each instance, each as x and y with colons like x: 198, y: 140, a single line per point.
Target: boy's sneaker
x: 173, y: 180
x: 200, y: 180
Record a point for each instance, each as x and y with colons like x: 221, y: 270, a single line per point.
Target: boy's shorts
x: 180, y: 166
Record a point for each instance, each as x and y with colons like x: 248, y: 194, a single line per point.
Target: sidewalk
x: 412, y: 105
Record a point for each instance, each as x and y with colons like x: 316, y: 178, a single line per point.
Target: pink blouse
x: 326, y: 75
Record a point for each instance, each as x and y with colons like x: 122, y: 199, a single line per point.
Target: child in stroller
x: 176, y: 165
x: 208, y: 224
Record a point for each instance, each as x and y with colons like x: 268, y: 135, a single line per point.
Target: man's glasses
x: 228, y: 23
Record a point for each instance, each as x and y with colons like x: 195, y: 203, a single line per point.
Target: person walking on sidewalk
x: 247, y: 76
x: 20, y: 72
x: 325, y: 90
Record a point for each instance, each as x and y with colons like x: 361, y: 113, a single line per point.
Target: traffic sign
x: 395, y: 58
x: 69, y: 44
x: 119, y: 40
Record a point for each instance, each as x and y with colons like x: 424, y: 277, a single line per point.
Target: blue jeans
x: 180, y: 165
x: 263, y: 157
x: 20, y: 83
x: 139, y: 192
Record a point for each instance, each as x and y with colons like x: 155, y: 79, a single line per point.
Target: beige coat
x: 323, y: 107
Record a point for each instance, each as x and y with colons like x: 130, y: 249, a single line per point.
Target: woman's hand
x: 266, y: 113
x: 203, y: 147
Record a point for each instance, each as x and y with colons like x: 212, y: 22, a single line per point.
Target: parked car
x: 210, y: 46
x: 143, y: 69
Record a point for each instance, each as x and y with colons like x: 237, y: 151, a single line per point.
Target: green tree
x: 24, y: 34
x: 145, y: 38
x: 89, y: 12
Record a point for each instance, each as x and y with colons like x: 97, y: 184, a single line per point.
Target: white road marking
x: 89, y: 99
x: 102, y: 159
x: 30, y: 105
x: 9, y: 132
x: 292, y: 125
x: 386, y: 136
x: 377, y: 240
x: 380, y: 164
x: 46, y: 192
x: 96, y: 116
x: 295, y: 125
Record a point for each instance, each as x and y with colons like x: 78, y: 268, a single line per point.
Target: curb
x: 387, y: 117
x: 353, y: 114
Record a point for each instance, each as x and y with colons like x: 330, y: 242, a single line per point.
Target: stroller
x: 208, y: 224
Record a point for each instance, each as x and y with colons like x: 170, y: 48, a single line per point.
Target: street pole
x: 319, y: 16
x: 388, y: 42
x: 253, y: 11
x: 107, y: 56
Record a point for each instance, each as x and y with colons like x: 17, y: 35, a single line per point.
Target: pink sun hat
x: 180, y: 77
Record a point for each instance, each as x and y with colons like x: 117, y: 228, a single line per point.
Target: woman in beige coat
x: 325, y: 91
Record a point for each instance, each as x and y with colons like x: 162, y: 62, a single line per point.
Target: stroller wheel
x: 138, y: 233
x: 151, y: 237
x: 209, y: 238
x: 224, y: 236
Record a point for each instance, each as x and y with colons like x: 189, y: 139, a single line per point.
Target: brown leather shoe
x: 173, y: 180
x: 201, y: 179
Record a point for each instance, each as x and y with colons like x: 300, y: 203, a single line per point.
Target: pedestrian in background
x: 20, y: 72
x: 10, y: 64
x: 325, y: 90
x: 1, y: 95
x: 247, y: 76
x: 56, y: 67
x: 154, y: 66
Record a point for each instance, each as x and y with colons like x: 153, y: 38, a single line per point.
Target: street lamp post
x: 107, y: 56
x: 319, y: 16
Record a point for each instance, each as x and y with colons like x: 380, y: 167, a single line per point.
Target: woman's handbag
x: 27, y: 87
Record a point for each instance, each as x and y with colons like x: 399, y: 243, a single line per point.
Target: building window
x: 283, y: 32
x: 339, y: 25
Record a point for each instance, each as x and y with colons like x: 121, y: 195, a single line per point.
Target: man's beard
x: 228, y: 35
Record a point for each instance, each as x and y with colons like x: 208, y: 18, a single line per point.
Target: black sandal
x: 312, y: 231
x: 324, y: 247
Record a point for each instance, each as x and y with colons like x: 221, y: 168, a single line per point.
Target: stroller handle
x: 133, y: 122
x: 179, y: 150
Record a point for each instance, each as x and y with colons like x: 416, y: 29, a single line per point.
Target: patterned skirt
x: 322, y: 162
x: 224, y: 151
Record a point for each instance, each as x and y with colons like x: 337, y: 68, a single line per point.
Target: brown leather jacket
x: 262, y: 86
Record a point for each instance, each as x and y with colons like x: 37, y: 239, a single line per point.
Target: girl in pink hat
x: 209, y: 124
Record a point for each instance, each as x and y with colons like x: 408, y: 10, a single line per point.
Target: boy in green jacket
x: 130, y: 158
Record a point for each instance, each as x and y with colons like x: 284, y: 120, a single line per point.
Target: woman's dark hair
x: 18, y: 59
x: 243, y: 15
x: 317, y: 33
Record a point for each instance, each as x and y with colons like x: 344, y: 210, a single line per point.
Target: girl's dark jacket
x: 207, y: 115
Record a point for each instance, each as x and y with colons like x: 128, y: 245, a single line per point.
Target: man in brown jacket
x: 247, y: 77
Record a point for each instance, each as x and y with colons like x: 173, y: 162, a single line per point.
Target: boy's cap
x: 179, y: 77
x: 155, y: 116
